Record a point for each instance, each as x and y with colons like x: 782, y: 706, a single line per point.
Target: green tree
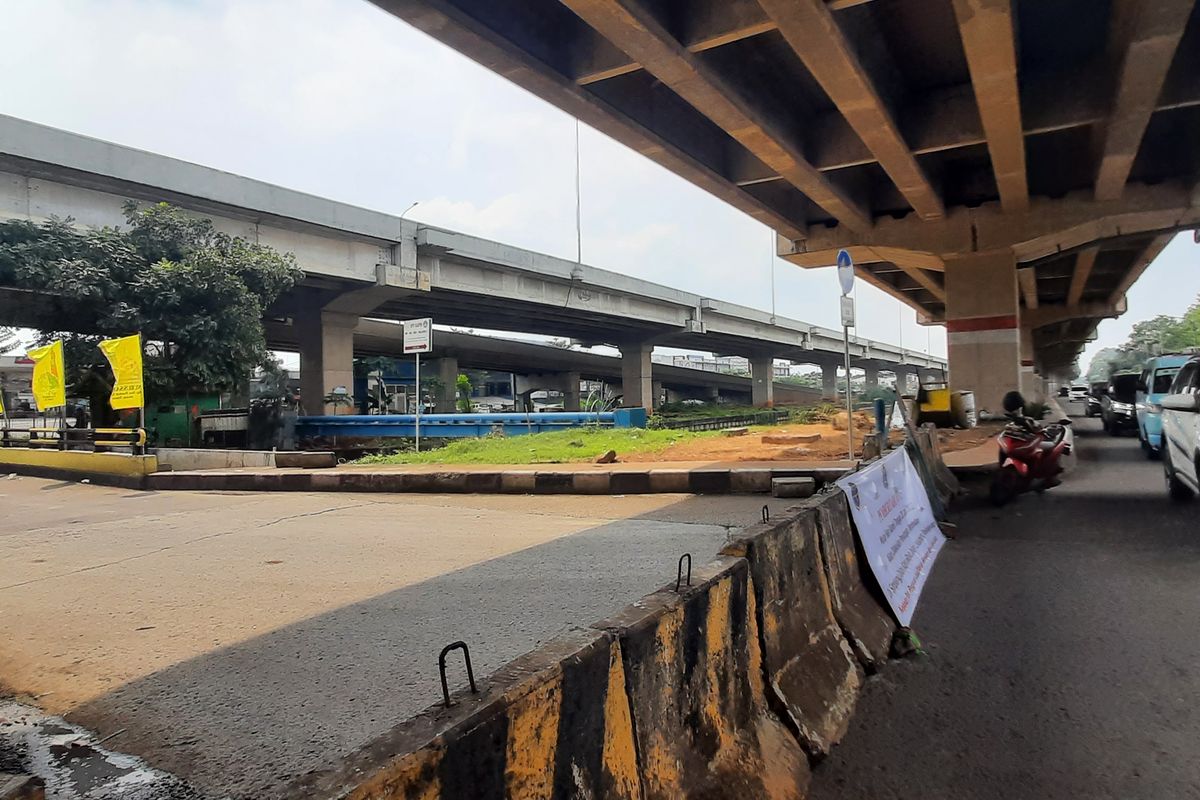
x: 463, y: 385
x: 195, y: 294
x: 811, y: 380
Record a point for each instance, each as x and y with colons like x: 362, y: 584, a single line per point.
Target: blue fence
x: 454, y: 426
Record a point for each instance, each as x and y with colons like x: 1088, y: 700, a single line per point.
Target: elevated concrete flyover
x: 361, y: 263
x: 542, y: 366
x: 991, y: 163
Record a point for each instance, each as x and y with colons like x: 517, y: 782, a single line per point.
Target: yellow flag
x: 125, y: 355
x: 49, y: 376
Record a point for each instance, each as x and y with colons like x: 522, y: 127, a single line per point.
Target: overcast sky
x: 340, y: 99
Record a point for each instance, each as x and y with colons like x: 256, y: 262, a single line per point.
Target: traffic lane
x: 240, y: 640
x: 1061, y: 662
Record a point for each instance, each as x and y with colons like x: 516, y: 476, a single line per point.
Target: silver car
x: 1181, y: 433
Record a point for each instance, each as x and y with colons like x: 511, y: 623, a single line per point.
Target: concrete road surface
x: 1063, y: 659
x: 239, y: 640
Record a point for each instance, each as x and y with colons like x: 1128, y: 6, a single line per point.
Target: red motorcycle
x: 1029, y: 457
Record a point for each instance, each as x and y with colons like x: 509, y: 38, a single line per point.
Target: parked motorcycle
x: 1029, y: 458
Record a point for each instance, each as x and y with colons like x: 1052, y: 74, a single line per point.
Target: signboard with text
x: 847, y: 311
x: 896, y: 525
x: 418, y: 335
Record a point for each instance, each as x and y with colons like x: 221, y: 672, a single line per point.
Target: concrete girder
x: 949, y: 119
x: 989, y: 40
x: 1044, y: 316
x: 710, y: 24
x: 1085, y: 260
x: 713, y: 24
x: 1027, y: 280
x: 1144, y: 260
x: 449, y: 24
x: 1048, y: 227
x: 814, y: 35
x: 634, y: 28
x: 1144, y: 37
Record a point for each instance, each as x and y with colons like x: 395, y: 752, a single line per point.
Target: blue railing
x: 454, y: 426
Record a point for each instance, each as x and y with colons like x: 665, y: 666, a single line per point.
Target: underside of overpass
x: 1006, y: 167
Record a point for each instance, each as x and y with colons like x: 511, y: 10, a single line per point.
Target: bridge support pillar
x: 570, y: 390
x: 326, y: 343
x: 1031, y: 383
x: 901, y: 380
x: 762, y: 376
x: 870, y: 378
x: 981, y: 325
x: 637, y: 382
x: 829, y: 381
x: 441, y: 375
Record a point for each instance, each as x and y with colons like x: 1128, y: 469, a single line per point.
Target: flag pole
x: 142, y: 407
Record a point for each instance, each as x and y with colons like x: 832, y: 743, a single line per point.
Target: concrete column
x: 326, y: 340
x: 870, y: 378
x: 902, y: 381
x: 1031, y: 382
x: 445, y: 370
x: 981, y: 325
x: 636, y: 380
x: 570, y: 390
x: 762, y: 380
x: 829, y: 381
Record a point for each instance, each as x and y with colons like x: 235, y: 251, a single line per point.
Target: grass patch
x: 556, y: 447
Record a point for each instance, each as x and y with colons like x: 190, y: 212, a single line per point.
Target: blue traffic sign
x: 845, y: 268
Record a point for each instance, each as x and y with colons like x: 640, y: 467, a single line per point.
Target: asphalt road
x: 239, y: 640
x: 1063, y: 659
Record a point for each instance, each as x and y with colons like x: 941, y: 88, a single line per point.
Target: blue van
x: 1154, y: 384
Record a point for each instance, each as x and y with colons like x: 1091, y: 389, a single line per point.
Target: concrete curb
x: 732, y: 480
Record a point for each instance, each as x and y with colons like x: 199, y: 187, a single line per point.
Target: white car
x: 1078, y: 392
x: 1181, y: 433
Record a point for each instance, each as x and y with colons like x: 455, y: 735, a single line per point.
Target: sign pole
x: 849, y: 396
x: 845, y: 270
x: 418, y: 338
x: 420, y: 401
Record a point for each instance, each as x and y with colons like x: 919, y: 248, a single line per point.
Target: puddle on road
x: 75, y: 766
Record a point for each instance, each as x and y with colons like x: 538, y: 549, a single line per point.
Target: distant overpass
x: 361, y: 263
x: 1006, y: 167
x: 542, y: 366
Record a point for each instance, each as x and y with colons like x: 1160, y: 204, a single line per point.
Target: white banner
x: 899, y: 534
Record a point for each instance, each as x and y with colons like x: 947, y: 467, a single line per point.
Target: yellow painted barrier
x: 66, y: 462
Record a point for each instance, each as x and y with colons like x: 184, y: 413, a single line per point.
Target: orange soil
x: 830, y: 447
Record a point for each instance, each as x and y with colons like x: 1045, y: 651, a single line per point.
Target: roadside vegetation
x: 1150, y: 337
x: 584, y: 444
x: 556, y: 447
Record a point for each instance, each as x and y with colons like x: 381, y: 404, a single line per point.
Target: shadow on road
x: 247, y: 718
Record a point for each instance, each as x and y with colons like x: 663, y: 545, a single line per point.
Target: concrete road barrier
x: 724, y: 687
x: 693, y: 665
x: 854, y: 597
x: 553, y: 724
x: 811, y: 668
